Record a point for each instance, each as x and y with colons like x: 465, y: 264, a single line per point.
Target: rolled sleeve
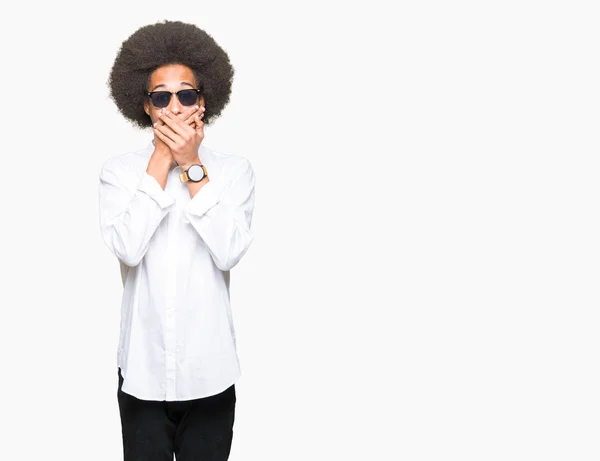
x: 131, y: 208
x: 221, y: 212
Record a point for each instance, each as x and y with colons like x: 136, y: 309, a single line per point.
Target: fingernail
x: 166, y: 112
x: 196, y: 107
x: 155, y: 123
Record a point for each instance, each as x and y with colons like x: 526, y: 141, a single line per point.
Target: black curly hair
x: 163, y: 43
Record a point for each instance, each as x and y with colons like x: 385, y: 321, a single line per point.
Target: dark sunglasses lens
x: 161, y: 98
x: 188, y: 97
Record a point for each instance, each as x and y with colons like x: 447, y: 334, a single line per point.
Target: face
x: 173, y: 77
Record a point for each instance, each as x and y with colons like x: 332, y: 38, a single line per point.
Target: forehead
x: 172, y: 76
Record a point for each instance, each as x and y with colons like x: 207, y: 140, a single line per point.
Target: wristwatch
x: 194, y: 173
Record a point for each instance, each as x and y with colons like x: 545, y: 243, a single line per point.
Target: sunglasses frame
x: 150, y: 93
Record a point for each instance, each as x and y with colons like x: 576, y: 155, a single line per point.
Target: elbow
x: 225, y: 263
x: 130, y: 260
x: 126, y: 253
x: 225, y: 266
x: 234, y: 255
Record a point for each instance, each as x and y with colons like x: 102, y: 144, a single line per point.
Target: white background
x: 423, y: 284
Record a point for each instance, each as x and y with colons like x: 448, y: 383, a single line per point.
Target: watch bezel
x: 195, y: 166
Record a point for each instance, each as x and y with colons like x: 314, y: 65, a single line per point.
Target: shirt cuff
x: 149, y: 185
x: 204, y: 200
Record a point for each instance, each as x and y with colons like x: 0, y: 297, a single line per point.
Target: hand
x: 162, y: 148
x: 182, y: 137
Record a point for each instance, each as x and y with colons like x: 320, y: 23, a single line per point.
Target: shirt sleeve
x: 222, y: 216
x: 131, y: 209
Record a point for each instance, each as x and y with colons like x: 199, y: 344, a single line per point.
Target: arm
x: 131, y: 208
x: 220, y: 213
x: 223, y: 219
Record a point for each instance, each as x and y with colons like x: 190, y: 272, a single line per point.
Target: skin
x: 178, y: 130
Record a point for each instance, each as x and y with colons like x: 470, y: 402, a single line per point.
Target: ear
x: 201, y: 101
x: 147, y: 108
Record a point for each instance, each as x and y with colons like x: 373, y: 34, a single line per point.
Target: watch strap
x: 184, y: 177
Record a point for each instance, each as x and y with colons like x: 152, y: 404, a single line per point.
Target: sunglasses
x: 187, y: 97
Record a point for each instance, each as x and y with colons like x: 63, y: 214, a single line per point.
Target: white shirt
x: 177, y: 340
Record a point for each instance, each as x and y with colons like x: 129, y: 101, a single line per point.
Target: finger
x: 166, y: 131
x: 164, y: 139
x: 194, y: 125
x: 173, y: 123
x: 176, y: 124
x: 199, y: 125
x: 192, y: 116
x: 159, y: 120
x: 161, y: 123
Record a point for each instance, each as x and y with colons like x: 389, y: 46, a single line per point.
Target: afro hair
x: 163, y: 43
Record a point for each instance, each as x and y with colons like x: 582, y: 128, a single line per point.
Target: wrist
x: 186, y: 165
x: 159, y: 162
x: 162, y: 154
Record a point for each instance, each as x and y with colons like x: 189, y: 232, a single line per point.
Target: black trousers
x: 193, y: 430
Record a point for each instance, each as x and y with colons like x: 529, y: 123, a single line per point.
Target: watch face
x: 195, y: 173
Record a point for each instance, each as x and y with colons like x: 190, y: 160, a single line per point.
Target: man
x: 177, y: 215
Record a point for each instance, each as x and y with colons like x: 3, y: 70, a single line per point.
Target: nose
x: 174, y: 105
